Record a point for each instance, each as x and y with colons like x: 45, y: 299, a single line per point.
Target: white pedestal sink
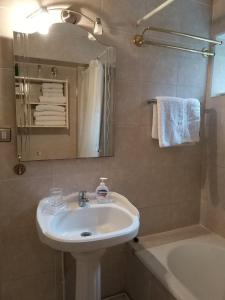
x: 86, y: 232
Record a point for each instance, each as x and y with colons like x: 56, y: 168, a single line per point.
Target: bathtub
x: 189, y: 262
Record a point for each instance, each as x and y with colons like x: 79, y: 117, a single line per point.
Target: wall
x: 163, y: 183
x: 213, y: 200
x: 68, y: 40
x: 218, y: 9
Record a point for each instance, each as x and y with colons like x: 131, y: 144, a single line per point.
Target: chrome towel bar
x: 186, y: 35
x: 139, y: 41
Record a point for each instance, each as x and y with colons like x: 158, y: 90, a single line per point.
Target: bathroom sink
x: 84, y: 229
x: 86, y: 232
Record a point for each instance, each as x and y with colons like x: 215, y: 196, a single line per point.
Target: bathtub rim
x: 154, y: 242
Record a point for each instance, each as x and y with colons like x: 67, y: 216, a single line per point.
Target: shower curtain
x: 89, y: 110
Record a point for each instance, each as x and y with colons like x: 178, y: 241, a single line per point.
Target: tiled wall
x: 163, y: 184
x: 218, y: 9
x: 213, y: 196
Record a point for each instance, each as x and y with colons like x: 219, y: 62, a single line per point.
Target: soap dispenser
x: 102, y: 192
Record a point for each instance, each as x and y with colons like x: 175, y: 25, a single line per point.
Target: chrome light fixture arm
x: 97, y: 22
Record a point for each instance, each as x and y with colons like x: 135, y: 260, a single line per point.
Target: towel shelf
x: 26, y: 102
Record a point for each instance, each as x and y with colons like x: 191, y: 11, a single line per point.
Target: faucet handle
x: 82, y: 195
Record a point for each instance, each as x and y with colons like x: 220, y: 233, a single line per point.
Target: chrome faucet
x: 83, y: 200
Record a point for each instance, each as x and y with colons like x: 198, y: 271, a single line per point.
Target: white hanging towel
x: 178, y: 121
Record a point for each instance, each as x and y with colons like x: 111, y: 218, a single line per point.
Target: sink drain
x: 86, y: 233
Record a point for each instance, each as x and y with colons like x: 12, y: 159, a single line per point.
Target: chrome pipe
x: 155, y: 11
x: 195, y: 37
x: 205, y: 53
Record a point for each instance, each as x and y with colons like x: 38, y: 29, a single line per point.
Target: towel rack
x: 139, y: 41
x: 152, y: 101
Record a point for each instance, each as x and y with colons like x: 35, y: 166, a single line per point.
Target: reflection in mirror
x: 64, y: 94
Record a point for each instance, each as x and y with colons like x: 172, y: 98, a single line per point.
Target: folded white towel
x: 52, y: 91
x: 178, y: 121
x: 58, y: 89
x: 43, y: 107
x: 60, y: 100
x: 49, y: 113
x: 50, y: 123
x: 50, y: 118
x: 52, y: 94
x: 52, y: 85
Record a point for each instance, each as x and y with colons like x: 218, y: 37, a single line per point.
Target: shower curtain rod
x: 155, y: 11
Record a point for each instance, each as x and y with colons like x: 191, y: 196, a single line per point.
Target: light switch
x: 5, y: 134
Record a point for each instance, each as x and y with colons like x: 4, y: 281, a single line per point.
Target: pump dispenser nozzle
x: 102, y: 191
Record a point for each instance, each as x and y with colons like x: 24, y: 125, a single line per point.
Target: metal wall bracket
x: 20, y: 168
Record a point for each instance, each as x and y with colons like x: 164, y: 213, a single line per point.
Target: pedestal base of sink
x: 88, y: 275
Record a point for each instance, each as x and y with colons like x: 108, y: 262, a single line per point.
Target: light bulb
x: 43, y: 21
x: 55, y: 15
x: 39, y: 21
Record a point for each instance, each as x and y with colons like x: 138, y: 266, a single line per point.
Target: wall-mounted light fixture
x: 73, y: 17
x: 42, y: 19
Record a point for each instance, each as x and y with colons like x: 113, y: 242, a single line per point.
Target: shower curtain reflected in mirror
x: 90, y: 103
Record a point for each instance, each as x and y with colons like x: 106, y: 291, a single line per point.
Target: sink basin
x: 84, y: 229
x: 85, y: 232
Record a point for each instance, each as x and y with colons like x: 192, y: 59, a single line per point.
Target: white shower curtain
x: 90, y: 104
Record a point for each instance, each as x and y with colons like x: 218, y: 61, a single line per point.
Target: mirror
x: 64, y: 94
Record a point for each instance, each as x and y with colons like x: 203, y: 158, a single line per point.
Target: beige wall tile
x: 185, y: 213
x: 127, y: 103
x: 6, y: 52
x: 156, y: 219
x: 22, y: 249
x: 192, y: 72
x: 32, y: 287
x: 19, y: 199
x: 7, y: 83
x: 196, y: 11
x: 123, y: 15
